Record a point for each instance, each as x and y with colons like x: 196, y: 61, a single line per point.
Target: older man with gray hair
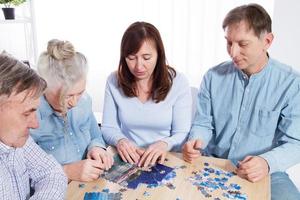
x: 22, y: 163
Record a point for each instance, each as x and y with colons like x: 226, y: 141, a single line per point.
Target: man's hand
x: 84, y: 170
x: 99, y: 154
x: 128, y: 151
x: 155, y: 152
x: 191, y: 150
x: 253, y: 168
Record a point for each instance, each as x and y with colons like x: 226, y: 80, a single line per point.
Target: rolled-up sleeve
x: 289, y: 130
x: 203, y: 123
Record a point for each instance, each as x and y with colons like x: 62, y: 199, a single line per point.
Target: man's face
x: 17, y: 116
x: 248, y: 52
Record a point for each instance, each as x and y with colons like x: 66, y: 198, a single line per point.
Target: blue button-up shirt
x: 257, y: 115
x: 68, y: 143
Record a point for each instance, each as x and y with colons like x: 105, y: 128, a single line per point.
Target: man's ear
x: 268, y: 39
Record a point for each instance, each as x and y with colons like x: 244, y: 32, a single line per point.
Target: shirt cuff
x: 168, y: 140
x: 273, y: 165
x: 96, y: 144
x: 201, y: 134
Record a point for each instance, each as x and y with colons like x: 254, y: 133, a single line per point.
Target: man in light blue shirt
x: 249, y: 108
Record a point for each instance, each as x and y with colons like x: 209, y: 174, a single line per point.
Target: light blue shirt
x: 239, y: 116
x: 146, y: 123
x: 69, y: 144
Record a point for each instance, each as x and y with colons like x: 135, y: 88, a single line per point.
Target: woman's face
x: 142, y: 64
x: 71, y: 98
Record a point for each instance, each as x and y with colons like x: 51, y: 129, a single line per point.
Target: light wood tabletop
x: 185, y: 185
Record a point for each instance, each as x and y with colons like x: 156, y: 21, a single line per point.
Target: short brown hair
x: 255, y: 15
x: 163, y: 74
x: 16, y: 77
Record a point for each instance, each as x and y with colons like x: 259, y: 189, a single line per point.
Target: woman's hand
x: 84, y: 170
x: 99, y: 154
x: 128, y: 151
x: 156, y: 151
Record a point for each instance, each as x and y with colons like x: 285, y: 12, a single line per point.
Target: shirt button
x: 71, y: 133
x: 78, y: 150
x: 52, y: 147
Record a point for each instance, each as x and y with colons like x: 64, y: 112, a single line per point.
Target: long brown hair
x: 163, y: 74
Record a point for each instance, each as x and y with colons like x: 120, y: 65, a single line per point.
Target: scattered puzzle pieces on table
x: 210, y: 179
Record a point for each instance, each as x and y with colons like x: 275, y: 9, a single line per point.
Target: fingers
x: 162, y: 158
x: 148, y: 159
x: 143, y: 159
x: 89, y: 170
x: 190, y: 157
x: 152, y: 153
x: 191, y: 150
x: 126, y: 157
x: 198, y: 144
x: 253, y: 168
x: 106, y: 160
x: 140, y: 151
x: 128, y: 151
x: 96, y: 164
x: 192, y: 147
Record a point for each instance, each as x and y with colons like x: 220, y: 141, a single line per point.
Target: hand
x: 128, y: 151
x: 253, y: 168
x: 191, y: 150
x: 99, y: 154
x: 156, y: 151
x: 84, y: 170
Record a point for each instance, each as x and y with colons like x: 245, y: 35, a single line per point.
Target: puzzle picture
x: 102, y: 196
x: 130, y: 176
x: 209, y: 180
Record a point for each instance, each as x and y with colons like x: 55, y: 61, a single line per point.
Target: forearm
x: 175, y: 141
x: 52, y: 186
x: 277, y: 158
x: 112, y: 135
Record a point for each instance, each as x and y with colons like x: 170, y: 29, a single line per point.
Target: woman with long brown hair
x: 147, y: 103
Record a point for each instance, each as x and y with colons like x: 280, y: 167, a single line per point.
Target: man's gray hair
x: 16, y: 77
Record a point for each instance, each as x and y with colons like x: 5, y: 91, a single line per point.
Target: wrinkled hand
x: 99, y: 154
x: 84, y: 170
x: 128, y: 151
x: 156, y: 151
x: 253, y: 168
x: 191, y: 150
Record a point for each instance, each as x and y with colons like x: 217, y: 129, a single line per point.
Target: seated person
x: 21, y: 160
x: 249, y: 107
x: 68, y: 129
x: 147, y: 103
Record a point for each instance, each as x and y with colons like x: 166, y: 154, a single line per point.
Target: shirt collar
x: 4, y: 149
x: 45, y: 108
x: 265, y: 70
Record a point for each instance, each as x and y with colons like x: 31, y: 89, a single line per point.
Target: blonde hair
x: 61, y: 66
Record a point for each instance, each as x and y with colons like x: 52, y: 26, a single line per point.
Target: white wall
x: 286, y: 28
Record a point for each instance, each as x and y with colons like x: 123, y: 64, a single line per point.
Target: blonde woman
x: 68, y: 129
